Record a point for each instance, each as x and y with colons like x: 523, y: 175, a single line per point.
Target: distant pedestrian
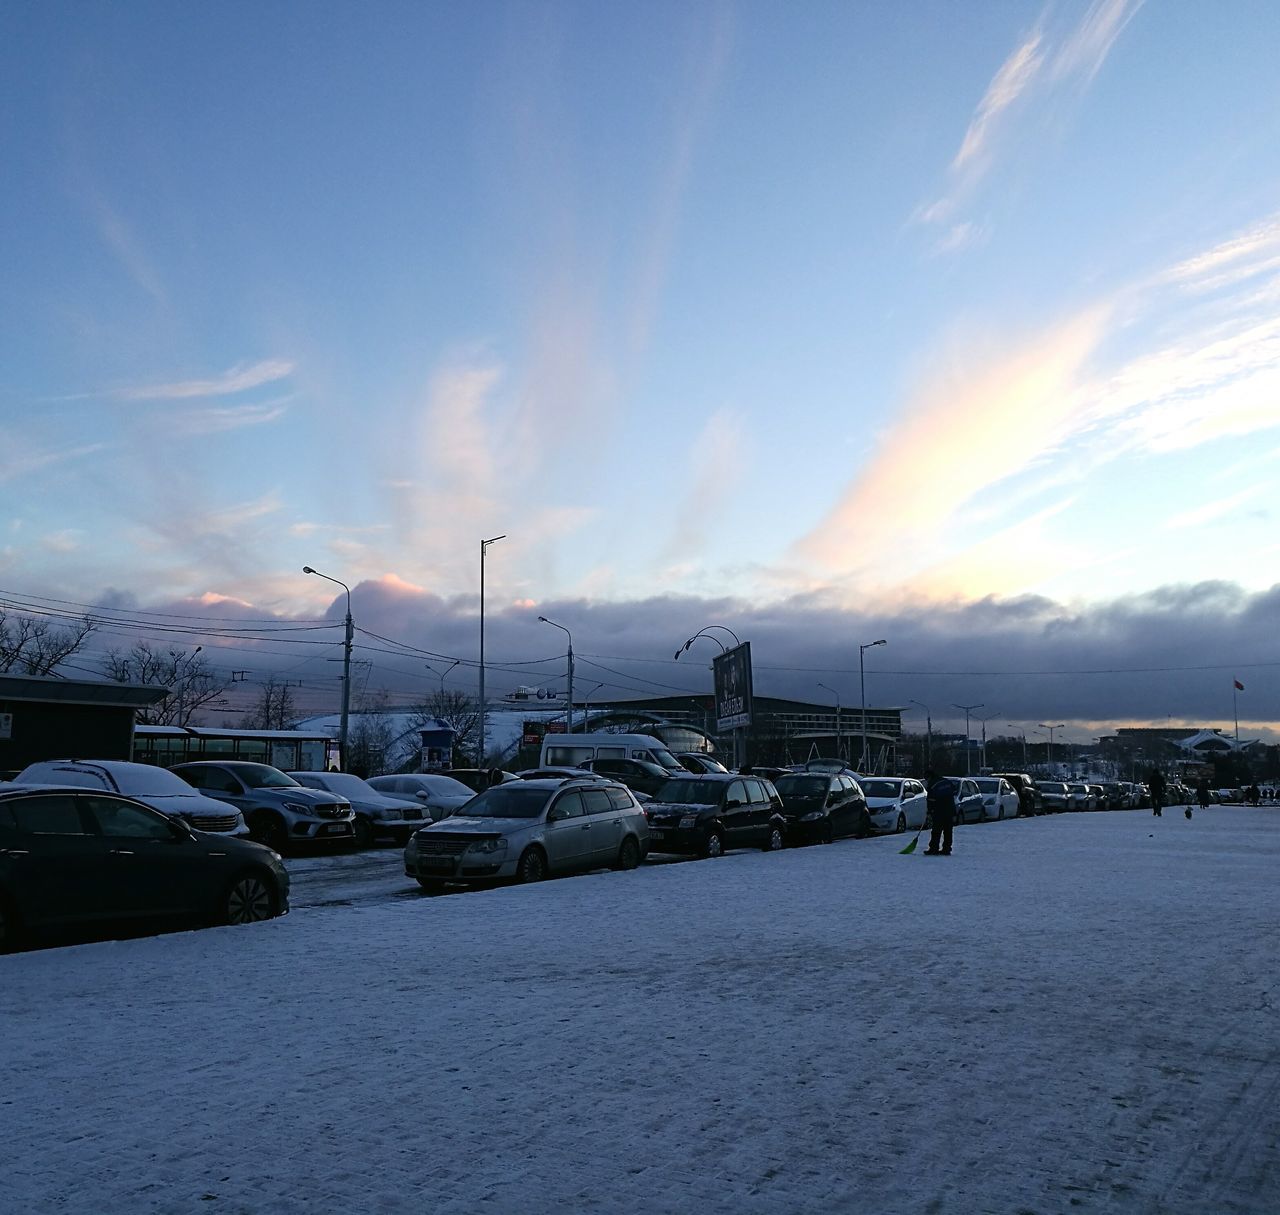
x: 942, y: 810
x: 1202, y: 793
x: 1155, y: 782
x: 1253, y: 795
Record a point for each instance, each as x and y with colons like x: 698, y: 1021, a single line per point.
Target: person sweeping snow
x: 942, y: 809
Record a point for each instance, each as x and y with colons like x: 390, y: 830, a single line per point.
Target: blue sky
x: 874, y: 304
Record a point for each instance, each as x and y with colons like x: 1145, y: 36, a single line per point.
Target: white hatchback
x: 999, y: 797
x: 894, y: 803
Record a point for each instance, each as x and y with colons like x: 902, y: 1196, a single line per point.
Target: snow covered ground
x: 1072, y: 1013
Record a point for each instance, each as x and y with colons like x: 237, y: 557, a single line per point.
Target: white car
x: 999, y: 797
x: 155, y: 787
x: 894, y: 804
x: 440, y: 795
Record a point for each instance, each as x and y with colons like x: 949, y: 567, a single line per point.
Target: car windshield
x: 154, y: 782
x: 343, y: 783
x: 687, y: 791
x: 802, y: 786
x: 445, y: 786
x: 881, y: 788
x: 263, y: 776
x: 515, y: 799
x: 987, y: 785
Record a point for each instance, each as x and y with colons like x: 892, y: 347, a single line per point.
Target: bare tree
x: 458, y: 711
x: 274, y: 709
x: 31, y: 646
x: 191, y: 681
x: 370, y: 736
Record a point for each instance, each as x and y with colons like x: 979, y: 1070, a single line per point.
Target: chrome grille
x: 222, y: 824
x: 427, y: 846
x: 333, y: 810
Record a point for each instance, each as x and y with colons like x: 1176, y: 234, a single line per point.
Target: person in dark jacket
x: 1202, y: 793
x: 942, y: 810
x: 1155, y: 782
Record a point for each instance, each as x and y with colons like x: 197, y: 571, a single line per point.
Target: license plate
x: 656, y: 832
x: 435, y: 862
x: 336, y: 829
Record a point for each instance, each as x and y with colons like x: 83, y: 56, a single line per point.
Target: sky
x: 755, y: 309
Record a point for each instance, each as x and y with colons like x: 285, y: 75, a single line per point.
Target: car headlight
x: 389, y: 814
x: 411, y: 848
x: 299, y: 808
x: 813, y: 816
x: 689, y: 820
x: 489, y: 846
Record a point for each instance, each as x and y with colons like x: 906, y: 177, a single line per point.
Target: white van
x: 571, y: 750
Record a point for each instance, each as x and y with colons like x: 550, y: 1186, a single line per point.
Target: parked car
x: 1112, y: 796
x: 479, y: 779
x: 554, y: 773
x: 639, y: 775
x: 1078, y: 796
x: 700, y: 762
x: 279, y: 811
x: 440, y: 795
x: 999, y: 798
x: 378, y: 815
x: 529, y: 830
x: 767, y: 771
x: 969, y: 807
x: 75, y: 856
x: 1029, y: 801
x: 707, y: 815
x: 830, y: 765
x: 894, y: 803
x: 820, y: 807
x: 1053, y: 795
x: 570, y: 750
x: 154, y: 787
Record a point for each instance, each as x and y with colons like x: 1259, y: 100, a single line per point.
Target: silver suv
x: 531, y: 829
x: 279, y: 811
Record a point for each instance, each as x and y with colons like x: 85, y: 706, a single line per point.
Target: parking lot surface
x: 1071, y: 1013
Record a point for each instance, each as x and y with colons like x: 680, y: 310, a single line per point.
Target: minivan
x: 572, y: 750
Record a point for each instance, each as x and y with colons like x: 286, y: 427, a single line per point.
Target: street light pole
x: 346, y: 665
x: 569, y: 635
x: 442, y: 674
x: 586, y: 707
x: 862, y: 684
x: 724, y: 649
x: 968, y: 754
x: 1013, y: 725
x: 928, y: 732
x: 983, y: 751
x: 839, y: 732
x: 484, y: 548
x: 1062, y: 725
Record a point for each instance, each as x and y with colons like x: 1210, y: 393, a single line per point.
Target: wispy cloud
x: 19, y: 460
x: 1039, y: 66
x: 239, y: 378
x: 1210, y: 512
x: 220, y: 419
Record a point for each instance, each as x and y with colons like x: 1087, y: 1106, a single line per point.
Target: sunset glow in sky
x: 879, y: 303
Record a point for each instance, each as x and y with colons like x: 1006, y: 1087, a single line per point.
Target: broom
x: 911, y: 847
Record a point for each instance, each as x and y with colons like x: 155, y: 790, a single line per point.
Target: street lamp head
x: 882, y: 641
x: 544, y: 620
x: 306, y: 569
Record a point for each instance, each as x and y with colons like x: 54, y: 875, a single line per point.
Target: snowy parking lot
x: 1076, y: 1012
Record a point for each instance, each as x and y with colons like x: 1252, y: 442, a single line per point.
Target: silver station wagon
x: 531, y: 829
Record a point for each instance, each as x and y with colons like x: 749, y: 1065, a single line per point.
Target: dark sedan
x: 72, y: 858
x: 821, y: 806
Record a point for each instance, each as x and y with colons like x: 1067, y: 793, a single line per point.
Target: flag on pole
x: 1239, y: 686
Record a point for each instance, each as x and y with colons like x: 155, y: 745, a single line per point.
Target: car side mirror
x: 556, y: 815
x: 423, y: 795
x: 182, y: 833
x: 732, y: 804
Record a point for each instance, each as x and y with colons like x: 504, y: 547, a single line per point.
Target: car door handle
x: 121, y: 852
x: 14, y: 852
x: 586, y: 826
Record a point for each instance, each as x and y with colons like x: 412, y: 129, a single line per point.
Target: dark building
x: 43, y: 717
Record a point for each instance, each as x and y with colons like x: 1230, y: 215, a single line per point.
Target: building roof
x: 49, y: 689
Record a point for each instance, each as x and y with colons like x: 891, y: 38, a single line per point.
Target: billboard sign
x: 733, y: 687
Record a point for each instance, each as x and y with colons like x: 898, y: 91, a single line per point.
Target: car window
x: 755, y: 791
x: 569, y: 805
x: 53, y: 815
x: 596, y: 801
x: 53, y: 775
x: 117, y: 819
x: 619, y: 799
x: 609, y: 765
x: 212, y: 778
x: 737, y: 791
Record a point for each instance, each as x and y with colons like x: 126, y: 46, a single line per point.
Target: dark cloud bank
x: 1171, y: 652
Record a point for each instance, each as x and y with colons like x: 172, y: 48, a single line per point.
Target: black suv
x: 639, y: 775
x: 820, y: 806
x: 709, y: 814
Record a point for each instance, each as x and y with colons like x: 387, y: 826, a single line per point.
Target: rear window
x: 802, y: 786
x: 53, y: 815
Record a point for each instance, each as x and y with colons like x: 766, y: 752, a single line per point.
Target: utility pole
x: 862, y: 683
x: 968, y: 753
x: 349, y: 637
x: 928, y: 732
x: 484, y: 548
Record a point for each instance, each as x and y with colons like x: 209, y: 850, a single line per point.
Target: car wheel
x: 532, y: 866
x: 267, y: 828
x: 713, y: 845
x: 250, y: 899
x: 776, y: 841
x: 629, y: 853
x: 901, y: 825
x: 364, y: 832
